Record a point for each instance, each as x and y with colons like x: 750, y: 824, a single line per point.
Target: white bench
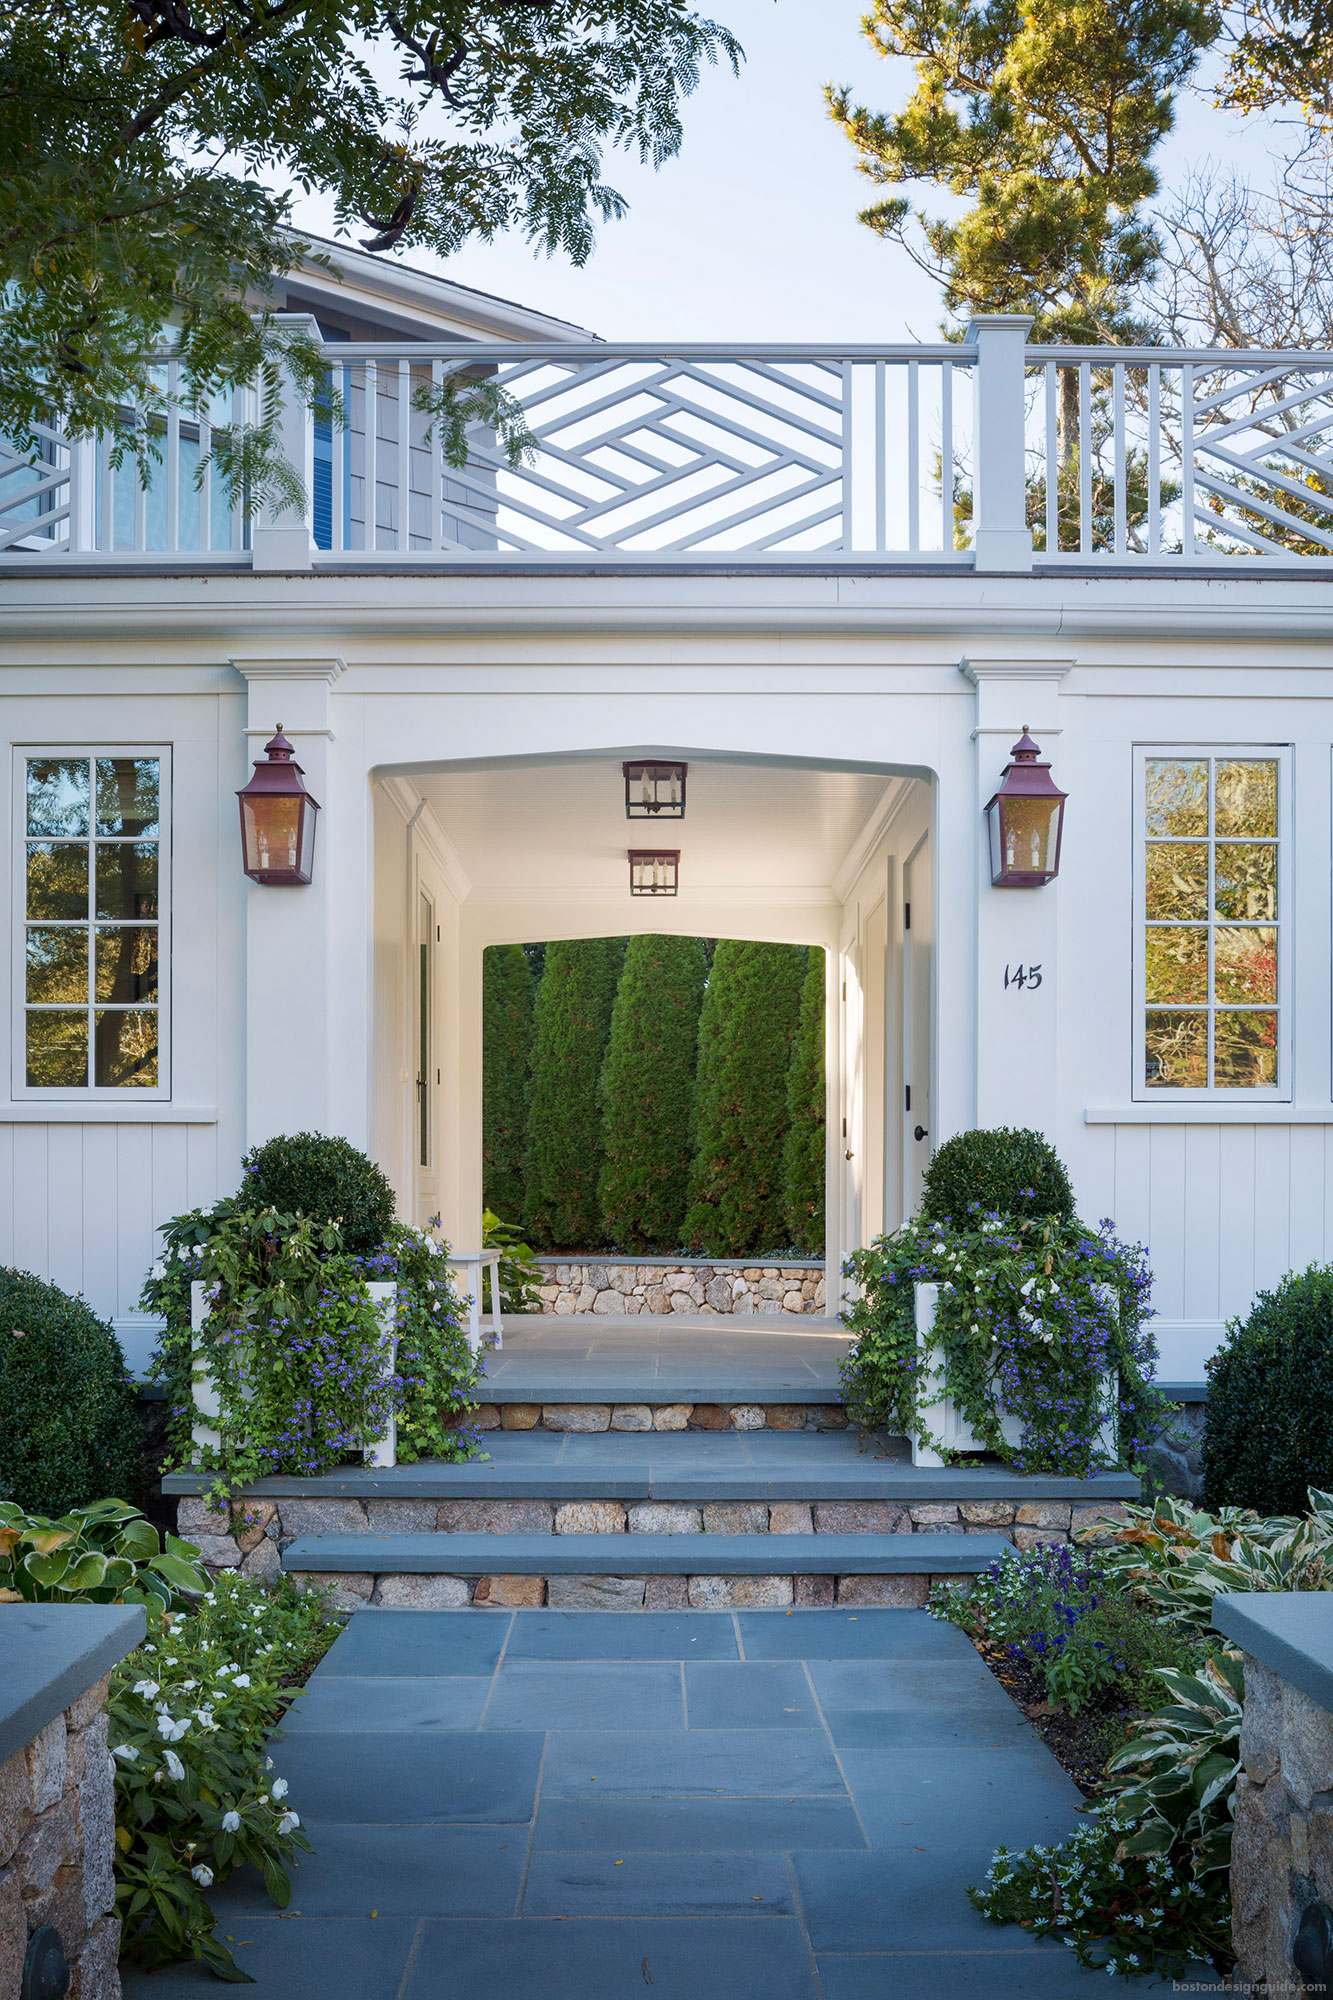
x: 474, y: 1262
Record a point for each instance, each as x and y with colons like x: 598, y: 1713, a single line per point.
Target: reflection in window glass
x: 91, y: 922
x: 1212, y: 923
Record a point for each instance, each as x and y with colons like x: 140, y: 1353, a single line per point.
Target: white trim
x: 80, y: 1099
x: 877, y: 823
x: 141, y: 1110
x: 327, y: 670
x: 1174, y: 1111
x: 1280, y: 1093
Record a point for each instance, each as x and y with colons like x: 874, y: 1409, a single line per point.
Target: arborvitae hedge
x: 803, y: 1158
x: 648, y: 1093
x: 506, y: 1060
x: 563, y: 1156
x: 746, y: 1030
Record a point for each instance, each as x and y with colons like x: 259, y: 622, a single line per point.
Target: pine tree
x: 563, y: 1156
x: 506, y: 1061
x: 648, y: 1092
x: 746, y: 1030
x: 803, y: 1156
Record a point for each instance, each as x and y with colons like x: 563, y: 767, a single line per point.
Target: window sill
x: 102, y: 1111
x: 1256, y: 1112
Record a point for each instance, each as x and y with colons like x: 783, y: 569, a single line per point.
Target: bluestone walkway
x: 666, y: 1357
x: 752, y: 1805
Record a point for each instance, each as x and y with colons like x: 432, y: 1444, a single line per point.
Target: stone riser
x: 357, y: 1590
x: 617, y: 1290
x: 589, y: 1417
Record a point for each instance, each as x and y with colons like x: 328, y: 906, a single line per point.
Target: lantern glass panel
x: 272, y: 825
x: 1030, y: 831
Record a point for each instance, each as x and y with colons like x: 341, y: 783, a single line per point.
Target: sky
x: 751, y: 232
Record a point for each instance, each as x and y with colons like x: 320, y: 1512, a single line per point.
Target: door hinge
x: 437, y: 934
x: 844, y: 989
x: 844, y: 1128
x: 907, y: 1094
x: 907, y: 916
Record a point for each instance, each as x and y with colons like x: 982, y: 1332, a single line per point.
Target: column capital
x: 328, y: 670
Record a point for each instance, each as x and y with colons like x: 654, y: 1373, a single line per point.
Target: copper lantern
x: 654, y: 790
x: 654, y: 871
x: 1026, y: 820
x: 278, y: 818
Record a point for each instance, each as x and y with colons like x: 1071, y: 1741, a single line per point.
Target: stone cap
x: 50, y: 1654
x: 1288, y: 1631
x: 622, y: 1260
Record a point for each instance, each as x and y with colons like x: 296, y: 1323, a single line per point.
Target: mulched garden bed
x: 1083, y: 1742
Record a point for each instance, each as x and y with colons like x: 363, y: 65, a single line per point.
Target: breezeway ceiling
x: 559, y: 828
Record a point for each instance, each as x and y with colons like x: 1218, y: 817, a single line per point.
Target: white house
x: 735, y: 558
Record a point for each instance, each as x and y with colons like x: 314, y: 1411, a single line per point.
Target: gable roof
x: 368, y: 297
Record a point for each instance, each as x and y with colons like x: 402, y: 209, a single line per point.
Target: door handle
x: 849, y: 1155
x: 920, y: 1132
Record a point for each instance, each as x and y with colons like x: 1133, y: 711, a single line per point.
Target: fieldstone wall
x: 1282, y: 1848
x: 1174, y: 1460
x: 57, y: 1842
x: 659, y: 1417
x: 684, y: 1287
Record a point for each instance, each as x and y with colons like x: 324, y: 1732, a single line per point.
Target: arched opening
x: 782, y: 850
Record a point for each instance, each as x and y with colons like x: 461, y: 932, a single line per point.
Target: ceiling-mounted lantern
x: 1026, y: 821
x: 278, y: 819
x: 654, y: 791
x: 654, y: 871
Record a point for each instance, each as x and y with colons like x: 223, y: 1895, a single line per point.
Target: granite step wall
x: 657, y: 1285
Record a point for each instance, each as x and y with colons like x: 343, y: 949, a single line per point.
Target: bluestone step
x: 643, y: 1555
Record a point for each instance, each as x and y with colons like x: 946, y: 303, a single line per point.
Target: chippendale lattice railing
x: 988, y: 453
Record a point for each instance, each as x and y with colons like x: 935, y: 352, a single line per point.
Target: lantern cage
x: 1025, y: 819
x: 278, y: 819
x: 654, y: 871
x: 654, y: 790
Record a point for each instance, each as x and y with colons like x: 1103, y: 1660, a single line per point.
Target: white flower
x: 203, y: 1875
x: 1048, y: 1338
x: 126, y: 1752
x: 231, y: 1822
x: 159, y: 1270
x: 268, y: 1763
x: 172, y: 1730
x: 175, y: 1766
x: 288, y: 1823
x: 241, y: 1681
x: 146, y: 1688
x: 279, y: 1787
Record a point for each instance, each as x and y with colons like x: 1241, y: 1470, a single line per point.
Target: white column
x: 1016, y: 1051
x: 290, y: 967
x: 1001, y: 537
x: 283, y: 537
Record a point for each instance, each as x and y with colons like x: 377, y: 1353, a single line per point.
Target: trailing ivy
x: 297, y: 1347
x: 1024, y: 1327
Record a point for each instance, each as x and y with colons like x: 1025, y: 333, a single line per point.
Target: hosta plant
x: 105, y: 1553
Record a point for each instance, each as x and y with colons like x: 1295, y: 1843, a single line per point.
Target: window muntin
x: 1213, y: 967
x: 90, y: 990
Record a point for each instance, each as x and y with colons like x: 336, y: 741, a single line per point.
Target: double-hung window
x: 1213, y: 912
x: 93, y: 876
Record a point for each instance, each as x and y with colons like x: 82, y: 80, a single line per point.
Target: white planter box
x: 383, y: 1453
x: 941, y: 1415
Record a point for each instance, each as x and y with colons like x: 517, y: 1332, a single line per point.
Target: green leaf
x: 46, y: 1570
x: 86, y: 1572
x: 276, y: 1882
x: 181, y: 1575
x: 1155, y: 1838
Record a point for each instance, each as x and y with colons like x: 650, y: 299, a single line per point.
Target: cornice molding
x: 418, y: 815
x: 979, y: 671
x: 873, y: 830
x: 328, y: 670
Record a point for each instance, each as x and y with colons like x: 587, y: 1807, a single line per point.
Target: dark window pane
x: 127, y: 796
x: 1245, y: 881
x: 1176, y: 1050
x: 57, y: 1050
x: 125, y: 1049
x: 57, y: 879
x: 127, y: 964
x: 1245, y: 1049
x: 127, y: 880
x: 1176, y: 795
x: 58, y: 795
x: 57, y: 964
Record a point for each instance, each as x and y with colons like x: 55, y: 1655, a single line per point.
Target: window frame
x: 21, y: 1091
x: 1142, y: 1091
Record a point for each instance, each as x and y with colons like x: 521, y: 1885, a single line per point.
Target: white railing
x: 989, y: 453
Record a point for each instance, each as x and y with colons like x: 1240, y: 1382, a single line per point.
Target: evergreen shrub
x: 506, y: 1060
x: 648, y: 1093
x: 1007, y: 1171
x: 327, y: 1179
x: 1269, y: 1431
x: 804, y: 1152
x: 69, y: 1427
x: 737, y: 1183
x: 563, y: 1157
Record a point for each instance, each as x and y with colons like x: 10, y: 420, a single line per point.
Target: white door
x: 918, y: 1018
x: 426, y: 1074
x: 853, y: 1089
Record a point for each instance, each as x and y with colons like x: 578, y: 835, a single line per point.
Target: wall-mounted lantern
x: 654, y: 872
x: 654, y: 791
x: 278, y: 818
x: 1026, y: 821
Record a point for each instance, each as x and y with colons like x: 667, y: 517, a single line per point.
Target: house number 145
x: 1021, y: 976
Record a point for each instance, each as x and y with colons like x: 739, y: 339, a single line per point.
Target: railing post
x: 281, y: 538
x: 1001, y: 537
